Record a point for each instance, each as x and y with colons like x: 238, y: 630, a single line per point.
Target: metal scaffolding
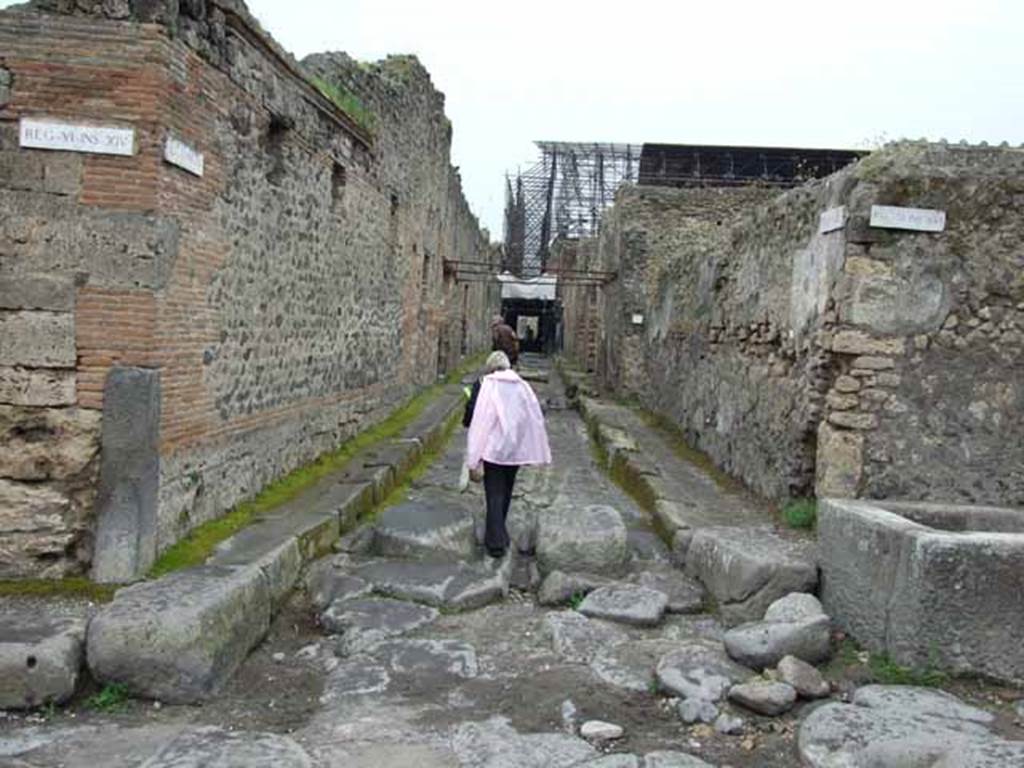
x: 562, y: 196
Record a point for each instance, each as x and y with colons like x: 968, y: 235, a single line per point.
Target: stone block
x: 625, y: 603
x: 47, y: 444
x: 126, y: 504
x: 945, y: 591
x: 40, y: 659
x: 747, y: 569
x: 589, y: 539
x: 425, y: 530
x: 47, y: 292
x: 851, y: 342
x: 37, y: 339
x: 31, y: 507
x: 180, y: 638
x: 37, y: 386
x: 212, y: 747
x: 879, y: 303
x: 852, y: 420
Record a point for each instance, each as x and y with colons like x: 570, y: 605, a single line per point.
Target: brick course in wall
x: 282, y: 296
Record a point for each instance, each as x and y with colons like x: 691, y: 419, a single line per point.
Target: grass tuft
x: 348, y: 103
x: 801, y: 513
x: 112, y: 698
x: 78, y: 586
x: 196, y: 547
x: 886, y: 671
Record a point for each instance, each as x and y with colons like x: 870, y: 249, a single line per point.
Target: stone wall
x: 859, y: 362
x: 287, y: 298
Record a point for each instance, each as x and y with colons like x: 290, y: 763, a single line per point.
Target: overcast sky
x: 789, y: 72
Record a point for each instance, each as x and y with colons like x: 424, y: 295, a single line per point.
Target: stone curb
x: 181, y: 638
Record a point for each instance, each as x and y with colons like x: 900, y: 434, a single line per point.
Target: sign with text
x: 918, y: 219
x: 832, y: 219
x: 182, y: 155
x: 72, y: 137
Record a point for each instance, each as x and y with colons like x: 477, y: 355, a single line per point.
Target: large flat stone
x: 40, y: 659
x: 795, y: 626
x: 180, y: 638
x: 211, y: 747
x: 625, y: 603
x: 425, y: 529
x: 589, y: 539
x: 559, y: 588
x: 455, y: 585
x: 746, y: 569
x: 685, y: 594
x: 363, y: 623
x: 427, y: 660
x: 700, y: 670
x: 630, y: 665
x: 900, y: 726
x: 495, y: 744
x: 574, y: 637
x: 357, y: 676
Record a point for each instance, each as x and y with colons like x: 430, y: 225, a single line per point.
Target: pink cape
x: 507, y: 426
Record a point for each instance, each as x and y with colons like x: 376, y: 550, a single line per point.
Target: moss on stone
x: 79, y: 587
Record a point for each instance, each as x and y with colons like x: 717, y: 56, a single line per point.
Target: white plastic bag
x: 463, y: 478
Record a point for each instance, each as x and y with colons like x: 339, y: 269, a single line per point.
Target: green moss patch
x: 348, y: 103
x: 79, y: 587
x: 800, y: 513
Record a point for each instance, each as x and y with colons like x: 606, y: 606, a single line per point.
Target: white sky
x: 790, y: 72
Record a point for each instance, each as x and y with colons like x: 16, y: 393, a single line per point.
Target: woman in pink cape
x: 506, y: 431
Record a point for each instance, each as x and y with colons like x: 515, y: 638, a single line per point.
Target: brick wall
x: 288, y: 297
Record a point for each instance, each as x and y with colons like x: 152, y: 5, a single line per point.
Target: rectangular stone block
x: 37, y: 339
x: 860, y: 343
x: 946, y: 593
x: 55, y: 294
x: 37, y: 386
x: 47, y: 443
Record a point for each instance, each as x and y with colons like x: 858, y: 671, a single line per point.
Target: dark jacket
x: 504, y: 338
x: 467, y: 415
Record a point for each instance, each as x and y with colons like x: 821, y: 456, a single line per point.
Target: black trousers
x: 498, y: 482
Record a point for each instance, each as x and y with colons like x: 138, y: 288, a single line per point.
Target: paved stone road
x: 424, y: 655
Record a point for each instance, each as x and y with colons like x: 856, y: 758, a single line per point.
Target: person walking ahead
x: 506, y: 432
x: 504, y: 339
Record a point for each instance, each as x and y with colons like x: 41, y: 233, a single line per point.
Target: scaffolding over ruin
x: 562, y: 196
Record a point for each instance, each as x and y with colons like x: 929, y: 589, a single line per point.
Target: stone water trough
x: 928, y: 584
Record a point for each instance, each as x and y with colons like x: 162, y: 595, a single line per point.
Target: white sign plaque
x: 182, y: 155
x: 638, y: 319
x: 919, y: 219
x: 71, y: 137
x: 832, y: 219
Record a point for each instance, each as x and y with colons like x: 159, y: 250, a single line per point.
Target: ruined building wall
x: 288, y: 297
x: 858, y: 362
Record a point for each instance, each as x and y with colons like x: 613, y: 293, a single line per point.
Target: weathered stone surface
x: 806, y: 680
x: 746, y: 569
x: 840, y: 462
x: 46, y: 292
x: 325, y: 583
x: 495, y: 744
x: 666, y: 759
x: 363, y: 623
x: 763, y: 697
x: 424, y: 530
x: 35, y: 530
x: 613, y: 761
x: 599, y: 730
x: 795, y: 607
x: 180, y: 638
x: 763, y: 644
x: 577, y: 638
x: 211, y: 747
x: 428, y: 659
x: 729, y: 725
x: 630, y: 665
x: 861, y: 343
x: 699, y: 670
x: 47, y: 444
x: 357, y: 676
x: 37, y: 386
x: 37, y: 339
x: 589, y: 539
x: 559, y: 588
x: 40, y: 659
x: 685, y: 594
x: 694, y: 710
x: 897, y: 726
x: 460, y: 586
x: 127, y: 501
x: 625, y: 603
x: 896, y: 585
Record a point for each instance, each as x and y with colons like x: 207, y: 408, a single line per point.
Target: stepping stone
x: 794, y: 625
x: 630, y: 666
x: 211, y: 747
x: 699, y: 670
x: 180, y: 638
x: 427, y: 659
x: 625, y: 603
x: 354, y: 677
x: 614, y: 761
x: 40, y: 658
x: 326, y: 583
x: 576, y: 638
x: 496, y: 744
x: 900, y: 725
x: 426, y: 529
x: 747, y: 569
x: 572, y: 538
x: 685, y: 594
x: 459, y: 586
x: 362, y: 623
x: 674, y: 760
x: 559, y: 588
x: 765, y: 698
x: 599, y: 730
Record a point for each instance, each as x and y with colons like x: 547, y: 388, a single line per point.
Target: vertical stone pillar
x: 126, y: 506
